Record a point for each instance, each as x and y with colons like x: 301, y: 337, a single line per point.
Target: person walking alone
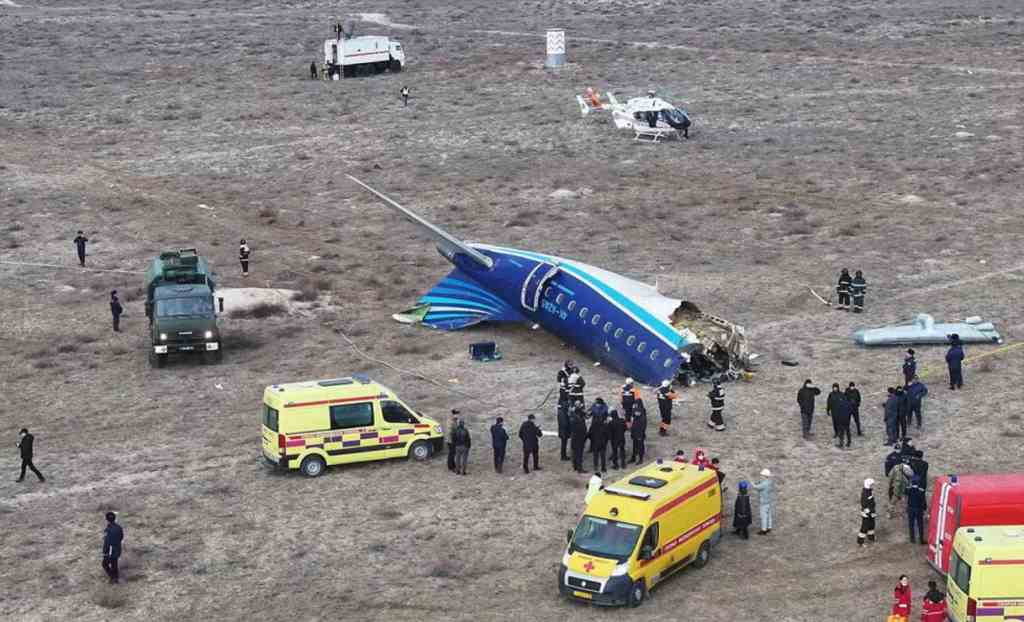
x: 80, y: 241
x: 741, y: 514
x: 113, y: 537
x: 853, y: 399
x: 805, y: 399
x: 954, y: 361
x: 766, y: 501
x: 26, y: 448
x: 717, y: 398
x: 530, y: 435
x: 638, y: 432
x: 116, y: 310
x: 405, y: 96
x: 499, y: 440
x: 243, y: 256
x: 617, y: 437
x: 462, y: 441
x: 867, y: 513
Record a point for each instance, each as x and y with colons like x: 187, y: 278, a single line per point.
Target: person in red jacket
x: 934, y: 605
x: 901, y: 598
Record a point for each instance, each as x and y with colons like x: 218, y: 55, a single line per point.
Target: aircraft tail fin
x: 448, y: 244
x: 457, y: 302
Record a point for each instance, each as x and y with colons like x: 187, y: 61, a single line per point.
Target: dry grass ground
x: 825, y: 136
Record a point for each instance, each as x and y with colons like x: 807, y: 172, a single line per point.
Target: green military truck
x: 179, y: 305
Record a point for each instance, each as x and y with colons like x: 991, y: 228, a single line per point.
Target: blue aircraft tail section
x: 457, y: 302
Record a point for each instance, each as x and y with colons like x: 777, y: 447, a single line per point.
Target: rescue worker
x: 576, y: 384
x: 243, y: 256
x: 916, y: 392
x: 530, y: 435
x: 680, y: 456
x: 630, y: 394
x: 499, y: 441
x: 909, y: 367
x: 858, y: 287
x: 717, y: 398
x: 594, y: 486
x: 954, y: 361
x: 462, y: 442
x: 26, y: 449
x: 700, y: 459
x: 599, y: 434
x: 892, y: 415
x: 867, y: 513
x: 617, y: 436
x: 405, y: 96
x: 742, y: 516
x: 453, y: 422
x: 563, y: 383
x: 766, y: 501
x: 933, y: 608
x: 116, y: 310
x: 805, y: 399
x: 665, y: 397
x: 916, y: 506
x: 638, y: 432
x: 903, y: 412
x: 853, y: 399
x: 113, y: 537
x: 899, y: 482
x: 578, y: 438
x: 901, y: 598
x: 839, y: 408
x: 843, y: 290
x: 563, y: 428
x: 80, y: 241
x: 312, y: 70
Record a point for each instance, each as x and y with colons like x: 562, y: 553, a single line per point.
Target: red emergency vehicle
x: 970, y: 500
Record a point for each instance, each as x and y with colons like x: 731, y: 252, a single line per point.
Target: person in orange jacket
x: 933, y: 608
x: 901, y: 598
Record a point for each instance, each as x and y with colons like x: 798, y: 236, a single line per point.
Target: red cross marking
x: 588, y: 566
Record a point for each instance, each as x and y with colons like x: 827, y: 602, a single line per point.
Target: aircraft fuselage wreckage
x: 619, y: 322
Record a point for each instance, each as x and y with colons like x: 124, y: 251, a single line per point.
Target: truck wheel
x: 313, y: 466
x: 419, y: 451
x: 395, y: 66
x: 703, y: 555
x: 347, y: 71
x: 637, y: 593
x: 155, y: 360
x: 212, y: 357
x: 380, y: 67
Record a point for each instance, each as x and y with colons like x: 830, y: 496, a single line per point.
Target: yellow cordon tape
x: 971, y: 359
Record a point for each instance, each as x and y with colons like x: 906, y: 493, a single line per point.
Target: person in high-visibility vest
x: 665, y: 398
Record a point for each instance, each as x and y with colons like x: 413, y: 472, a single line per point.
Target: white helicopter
x: 649, y: 117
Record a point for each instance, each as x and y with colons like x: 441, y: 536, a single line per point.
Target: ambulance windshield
x: 606, y: 538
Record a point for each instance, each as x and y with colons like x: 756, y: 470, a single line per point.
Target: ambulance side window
x: 352, y: 416
x: 961, y: 573
x: 396, y: 413
x: 650, y: 542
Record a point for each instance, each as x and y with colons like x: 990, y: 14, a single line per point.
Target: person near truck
x: 955, y: 361
x: 530, y: 435
x: 116, y: 310
x: 113, y: 537
x: 80, y: 241
x: 805, y: 399
x: 853, y: 399
x: 453, y: 422
x: 933, y: 608
x: 916, y: 392
x: 742, y: 516
x: 499, y: 440
x: 312, y: 70
x: 462, y: 442
x: 901, y: 598
x: 909, y: 367
x: 868, y: 513
x: 717, y: 398
x: 617, y: 437
x: 594, y: 486
x: 665, y: 398
x: 766, y: 501
x: 578, y: 436
x: 243, y: 256
x: 26, y: 448
x: 598, y: 434
x: 638, y: 432
x: 916, y: 506
x: 843, y: 290
x: 858, y: 288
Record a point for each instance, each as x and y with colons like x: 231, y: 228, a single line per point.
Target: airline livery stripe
x: 465, y: 296
x: 473, y: 288
x: 338, y: 401
x: 683, y: 498
x: 458, y: 301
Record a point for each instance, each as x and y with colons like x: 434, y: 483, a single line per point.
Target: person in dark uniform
x: 805, y: 400
x: 954, y: 361
x: 563, y: 383
x: 405, y: 96
x: 916, y: 392
x: 892, y: 417
x: 839, y: 408
x: 629, y: 396
x: 243, y: 256
x: 578, y: 438
x: 853, y: 399
x: 116, y: 310
x: 909, y: 367
x: 843, y: 289
x: 113, y: 536
x: 665, y: 397
x: 499, y: 440
x: 916, y: 506
x: 576, y: 384
x: 599, y: 435
x: 25, y: 446
x: 858, y: 287
x: 312, y: 70
x: 617, y: 436
x: 867, y: 513
x: 563, y: 428
x: 80, y: 241
x: 638, y: 432
x: 530, y: 435
x: 742, y: 516
x: 903, y: 412
x: 717, y: 398
x: 463, y: 442
x: 453, y: 423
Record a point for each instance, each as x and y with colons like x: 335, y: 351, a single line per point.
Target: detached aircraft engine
x: 620, y: 322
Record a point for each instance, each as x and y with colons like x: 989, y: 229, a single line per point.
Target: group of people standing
x: 855, y: 287
x: 842, y: 405
x: 933, y: 607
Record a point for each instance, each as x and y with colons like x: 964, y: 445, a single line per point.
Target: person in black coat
x: 578, y: 439
x: 853, y: 399
x: 909, y: 367
x: 499, y: 440
x: 903, y: 412
x: 892, y: 416
x: 563, y: 427
x: 453, y: 423
x: 113, y: 536
x: 954, y: 361
x: 805, y: 400
x: 742, y: 517
x: 617, y: 436
x: 116, y: 310
x: 839, y: 410
x: 80, y: 241
x: 638, y: 432
x: 598, y: 437
x: 562, y: 377
x: 916, y: 506
x: 25, y: 446
x: 530, y: 435
x: 312, y: 70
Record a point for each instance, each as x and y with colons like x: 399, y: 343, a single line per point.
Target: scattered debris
x: 963, y: 135
x: 827, y: 303
x: 484, y: 351
x: 924, y: 330
x: 563, y: 194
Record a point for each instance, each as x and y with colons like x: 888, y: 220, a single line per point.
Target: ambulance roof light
x: 643, y: 496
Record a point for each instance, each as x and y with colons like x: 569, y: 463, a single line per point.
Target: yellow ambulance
x: 985, y: 582
x: 310, y: 425
x: 638, y: 531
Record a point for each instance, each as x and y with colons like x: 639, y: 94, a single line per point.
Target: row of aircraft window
x: 596, y: 319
